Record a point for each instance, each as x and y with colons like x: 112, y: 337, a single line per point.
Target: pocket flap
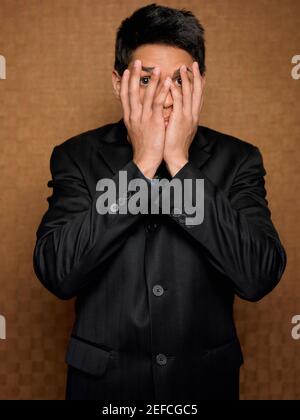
x: 87, y: 357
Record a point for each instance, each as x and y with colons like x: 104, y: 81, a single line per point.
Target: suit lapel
x: 116, y: 151
x: 199, y: 151
x: 114, y: 147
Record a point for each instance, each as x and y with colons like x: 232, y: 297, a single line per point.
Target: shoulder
x: 225, y: 143
x: 231, y: 155
x: 85, y: 142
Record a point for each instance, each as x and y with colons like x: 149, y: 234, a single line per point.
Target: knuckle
x: 145, y: 114
x: 133, y: 118
x: 131, y: 90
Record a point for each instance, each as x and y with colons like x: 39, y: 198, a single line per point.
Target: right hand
x: 144, y: 122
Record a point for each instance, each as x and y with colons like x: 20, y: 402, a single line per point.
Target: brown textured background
x: 59, y: 60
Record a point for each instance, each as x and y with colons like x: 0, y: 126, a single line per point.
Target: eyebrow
x: 175, y: 74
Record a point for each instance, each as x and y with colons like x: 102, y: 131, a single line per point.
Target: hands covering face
x: 152, y: 141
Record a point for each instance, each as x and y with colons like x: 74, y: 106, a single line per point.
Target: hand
x: 144, y: 122
x: 184, y: 119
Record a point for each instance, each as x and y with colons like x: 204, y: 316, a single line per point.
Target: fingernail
x: 136, y: 63
x: 156, y: 70
x: 183, y: 67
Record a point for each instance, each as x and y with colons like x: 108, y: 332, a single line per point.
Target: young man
x: 154, y: 308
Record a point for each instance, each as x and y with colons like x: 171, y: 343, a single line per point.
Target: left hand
x: 184, y: 119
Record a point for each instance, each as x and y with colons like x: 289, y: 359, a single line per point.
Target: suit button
x: 158, y: 290
x: 152, y: 227
x: 161, y: 359
x: 114, y: 207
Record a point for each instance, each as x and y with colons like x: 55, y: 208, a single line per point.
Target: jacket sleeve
x: 237, y: 234
x: 73, y: 238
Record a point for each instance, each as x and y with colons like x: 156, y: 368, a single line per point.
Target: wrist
x: 175, y: 164
x: 147, y: 168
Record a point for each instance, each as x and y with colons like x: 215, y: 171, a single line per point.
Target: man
x: 154, y: 307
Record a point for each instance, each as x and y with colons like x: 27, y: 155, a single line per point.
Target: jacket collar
x: 117, y: 151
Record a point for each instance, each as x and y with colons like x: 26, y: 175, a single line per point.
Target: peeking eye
x: 179, y: 78
x: 142, y: 79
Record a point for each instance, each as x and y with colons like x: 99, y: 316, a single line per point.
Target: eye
x: 142, y: 79
x: 179, y: 78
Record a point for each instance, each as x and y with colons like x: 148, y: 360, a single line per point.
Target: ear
x: 116, y: 82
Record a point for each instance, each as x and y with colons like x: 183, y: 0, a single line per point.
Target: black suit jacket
x: 154, y: 307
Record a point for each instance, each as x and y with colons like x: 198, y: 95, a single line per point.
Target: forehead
x: 167, y: 57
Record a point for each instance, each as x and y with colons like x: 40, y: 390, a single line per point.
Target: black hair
x: 155, y: 24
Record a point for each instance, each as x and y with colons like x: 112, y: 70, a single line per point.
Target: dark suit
x: 154, y: 307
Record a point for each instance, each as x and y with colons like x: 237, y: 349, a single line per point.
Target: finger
x: 186, y: 91
x: 134, y: 89
x: 177, y: 99
x: 161, y: 97
x: 197, y: 91
x: 150, y: 91
x: 124, y: 94
x: 159, y: 89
